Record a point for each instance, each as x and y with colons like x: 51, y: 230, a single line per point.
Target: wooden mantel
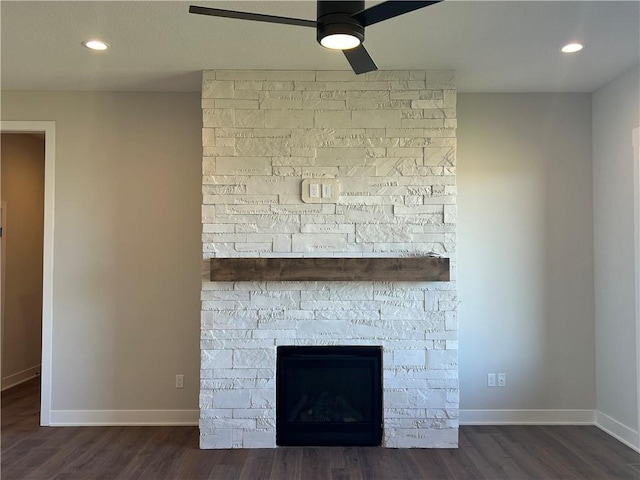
x: 404, y: 269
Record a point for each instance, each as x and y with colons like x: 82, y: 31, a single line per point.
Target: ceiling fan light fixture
x: 340, y: 41
x: 340, y: 36
x: 336, y: 28
x: 339, y: 26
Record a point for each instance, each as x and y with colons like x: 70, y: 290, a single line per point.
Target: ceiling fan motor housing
x: 335, y: 17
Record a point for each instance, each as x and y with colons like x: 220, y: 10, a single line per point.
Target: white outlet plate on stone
x: 320, y: 190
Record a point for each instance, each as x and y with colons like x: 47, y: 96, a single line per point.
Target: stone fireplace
x: 384, y: 142
x: 329, y: 395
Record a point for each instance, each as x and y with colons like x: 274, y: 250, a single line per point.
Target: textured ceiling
x: 509, y: 46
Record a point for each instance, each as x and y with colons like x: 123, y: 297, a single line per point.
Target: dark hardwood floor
x: 30, y: 452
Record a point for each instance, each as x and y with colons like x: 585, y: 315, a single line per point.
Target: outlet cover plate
x: 320, y: 190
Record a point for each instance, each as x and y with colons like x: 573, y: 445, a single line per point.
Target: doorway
x: 46, y: 129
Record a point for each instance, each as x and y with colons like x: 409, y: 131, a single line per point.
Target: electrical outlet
x: 314, y: 190
x: 179, y: 381
x: 491, y: 379
x: 502, y: 379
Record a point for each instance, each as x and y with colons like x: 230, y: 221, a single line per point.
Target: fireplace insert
x: 329, y: 395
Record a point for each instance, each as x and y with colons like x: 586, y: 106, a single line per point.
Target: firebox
x: 329, y: 395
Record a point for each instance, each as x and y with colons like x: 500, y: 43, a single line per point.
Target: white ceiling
x: 508, y: 46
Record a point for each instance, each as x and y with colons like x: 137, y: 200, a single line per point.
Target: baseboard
x: 527, y: 417
x: 20, y: 377
x: 617, y: 430
x: 78, y: 418
x: 621, y: 432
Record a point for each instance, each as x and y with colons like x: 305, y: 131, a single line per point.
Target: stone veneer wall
x: 389, y: 140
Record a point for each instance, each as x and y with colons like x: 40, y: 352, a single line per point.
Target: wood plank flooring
x: 30, y: 452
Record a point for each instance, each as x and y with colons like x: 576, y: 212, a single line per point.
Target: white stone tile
x: 248, y: 85
x: 218, y: 117
x: 383, y: 233
x: 249, y: 119
x: 266, y: 184
x: 396, y: 398
x: 231, y: 399
x: 450, y: 214
x: 227, y: 423
x: 357, y: 85
x: 332, y: 119
x: 281, y: 104
x: 254, y: 413
x: 324, y: 329
x: 272, y: 334
x: 277, y: 85
x: 216, y: 413
x: 275, y: 299
x: 238, y: 104
x: 262, y: 147
x: 217, y: 439
x: 217, y: 89
x: 376, y: 119
x: 215, y: 359
x: 400, y: 152
x: 289, y: 119
x: 442, y: 359
x: 263, y: 398
x: 243, y: 166
x: 409, y: 357
x: 351, y: 291
x: 310, y: 85
x: 328, y: 228
x: 423, y: 438
x: 224, y: 295
x: 322, y: 104
x: 259, y: 439
x: 318, y: 242
x: 266, y: 373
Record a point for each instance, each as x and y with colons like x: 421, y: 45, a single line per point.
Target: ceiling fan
x: 340, y: 24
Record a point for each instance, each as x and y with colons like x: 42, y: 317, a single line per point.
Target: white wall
x: 525, y: 252
x: 615, y: 114
x: 127, y: 247
x: 128, y: 232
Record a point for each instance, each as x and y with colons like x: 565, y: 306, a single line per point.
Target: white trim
x: 635, y: 141
x: 20, y: 377
x: 49, y: 130
x: 527, y: 417
x: 617, y: 430
x: 85, y: 418
x: 3, y: 262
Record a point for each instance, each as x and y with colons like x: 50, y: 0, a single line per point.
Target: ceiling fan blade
x: 387, y: 10
x: 360, y: 60
x: 258, y: 17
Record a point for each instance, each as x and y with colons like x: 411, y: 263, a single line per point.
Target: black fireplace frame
x: 366, y: 433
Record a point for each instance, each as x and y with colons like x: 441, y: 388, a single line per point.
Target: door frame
x: 49, y: 130
x: 635, y: 136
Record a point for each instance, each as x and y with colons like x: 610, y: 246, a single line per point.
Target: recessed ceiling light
x: 95, y: 44
x: 572, y: 48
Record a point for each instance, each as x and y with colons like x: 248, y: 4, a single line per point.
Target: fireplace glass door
x: 329, y: 395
